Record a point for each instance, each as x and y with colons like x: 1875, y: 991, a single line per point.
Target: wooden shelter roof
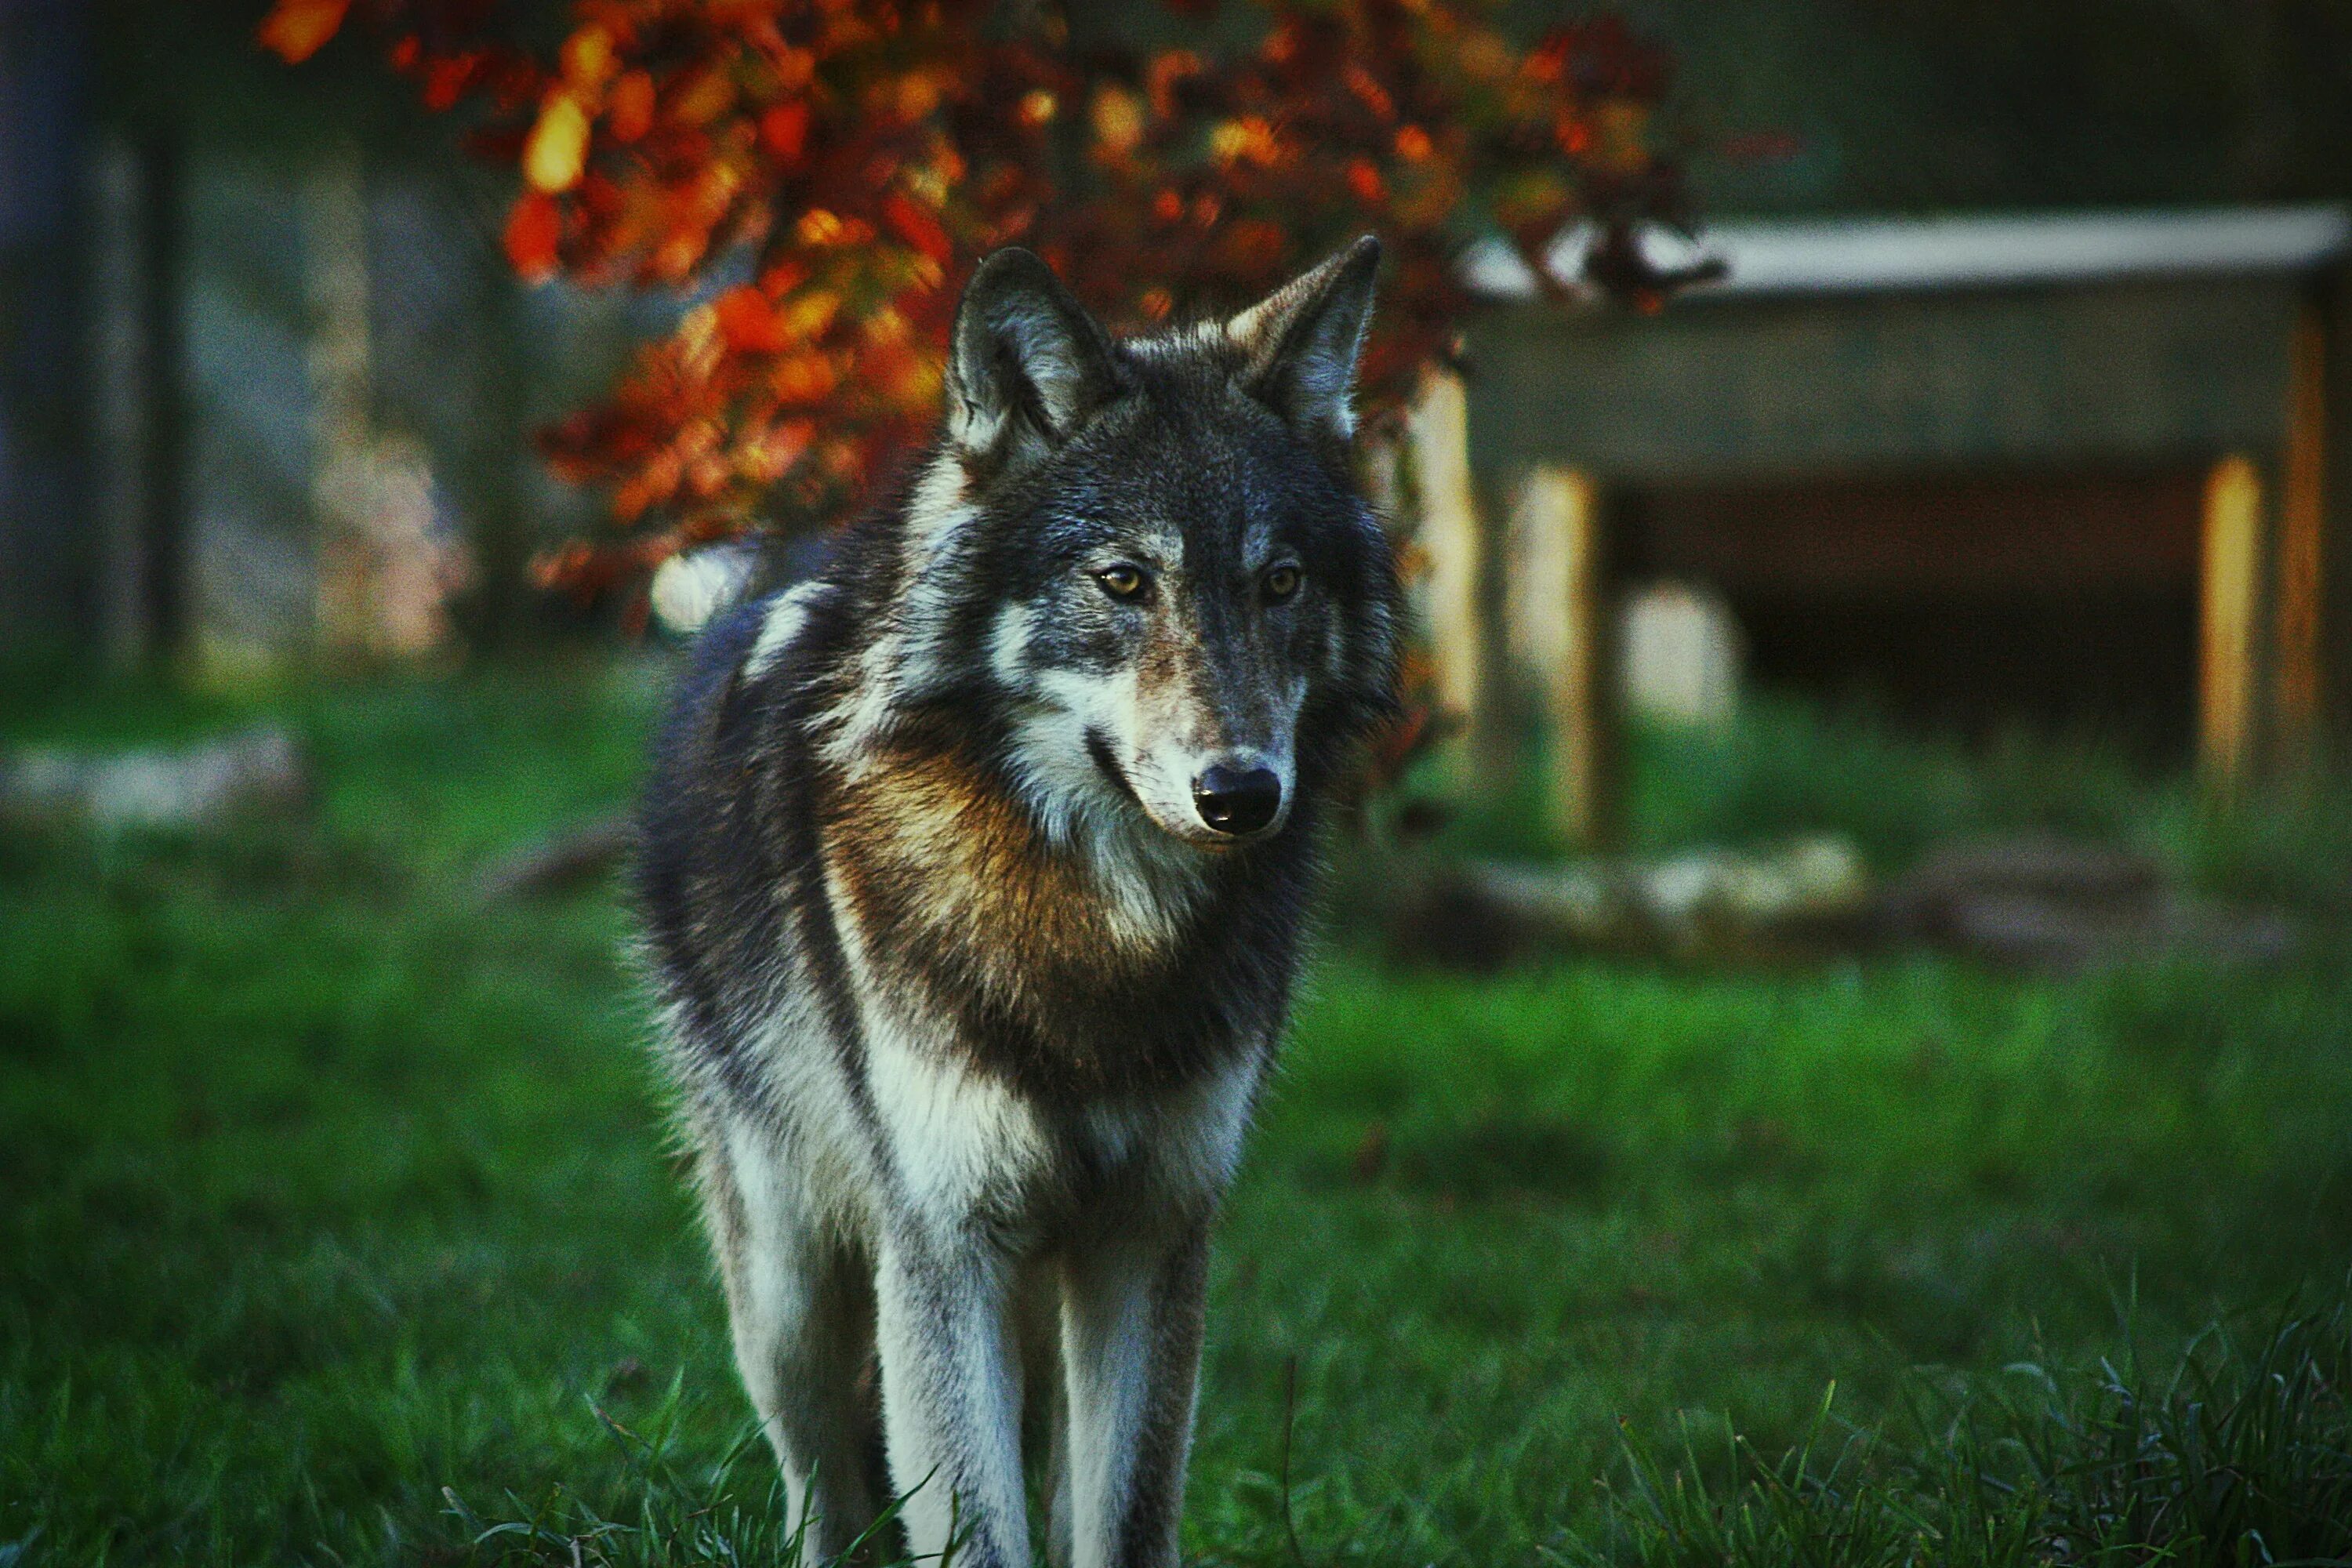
x: 1881, y: 255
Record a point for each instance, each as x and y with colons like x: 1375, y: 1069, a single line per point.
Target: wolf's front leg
x: 1131, y: 1315
x: 803, y: 1313
x: 951, y: 1396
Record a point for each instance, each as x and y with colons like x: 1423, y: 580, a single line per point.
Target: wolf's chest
x: 964, y: 1141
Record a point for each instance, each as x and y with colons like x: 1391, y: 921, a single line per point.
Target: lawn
x: 338, y: 1224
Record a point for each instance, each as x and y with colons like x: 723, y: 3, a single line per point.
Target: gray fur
x: 968, y: 990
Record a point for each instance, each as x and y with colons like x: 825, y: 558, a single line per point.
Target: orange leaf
x: 819, y: 226
x: 783, y: 130
x: 533, y: 229
x: 749, y: 322
x: 445, y: 79
x: 1119, y: 120
x: 296, y: 29
x: 788, y: 274
x: 707, y: 94
x: 809, y: 315
x: 557, y: 150
x: 587, y: 57
x: 630, y: 110
x: 766, y: 456
x: 909, y: 222
x: 804, y: 378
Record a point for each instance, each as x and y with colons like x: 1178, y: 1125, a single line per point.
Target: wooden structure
x: 1950, y: 352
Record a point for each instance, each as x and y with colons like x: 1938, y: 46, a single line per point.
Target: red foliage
x: 819, y: 175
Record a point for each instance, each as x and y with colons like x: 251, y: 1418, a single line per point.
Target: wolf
x: 973, y: 874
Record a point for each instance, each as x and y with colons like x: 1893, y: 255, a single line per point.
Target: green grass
x: 1789, y: 767
x: 337, y: 1222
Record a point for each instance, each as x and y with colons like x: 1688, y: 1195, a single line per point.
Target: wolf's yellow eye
x: 1120, y: 581
x: 1282, y: 582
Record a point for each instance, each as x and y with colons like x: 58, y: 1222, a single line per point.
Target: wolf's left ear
x: 1301, y: 341
x: 1027, y: 365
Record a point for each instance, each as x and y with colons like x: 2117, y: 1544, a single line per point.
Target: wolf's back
x: 706, y: 881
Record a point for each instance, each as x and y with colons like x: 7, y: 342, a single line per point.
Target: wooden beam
x: 1559, y: 616
x: 2230, y: 616
x: 335, y: 275
x: 2302, y: 566
x: 1447, y: 533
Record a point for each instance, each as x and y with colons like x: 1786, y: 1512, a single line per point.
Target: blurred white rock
x: 199, y: 786
x: 1682, y: 653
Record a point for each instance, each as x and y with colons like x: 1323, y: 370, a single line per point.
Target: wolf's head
x: 1149, y: 554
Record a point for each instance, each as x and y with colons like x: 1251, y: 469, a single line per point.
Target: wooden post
x: 2231, y: 617
x: 335, y: 271
x: 138, y: 422
x: 1559, y: 626
x: 2302, y: 569
x: 1438, y: 432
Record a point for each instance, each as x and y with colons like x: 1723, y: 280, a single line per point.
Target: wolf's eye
x: 1121, y: 582
x: 1282, y: 583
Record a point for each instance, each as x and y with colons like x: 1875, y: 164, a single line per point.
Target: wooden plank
x: 2230, y: 614
x: 336, y: 281
x: 1451, y: 542
x: 1732, y: 392
x: 2302, y: 568
x: 2336, y: 560
x: 1938, y: 534
x: 1558, y: 619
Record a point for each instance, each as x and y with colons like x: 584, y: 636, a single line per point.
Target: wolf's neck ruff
x: 976, y: 872
x: 1064, y: 966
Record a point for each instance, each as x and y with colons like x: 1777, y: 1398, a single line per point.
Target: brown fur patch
x: 971, y: 918
x: 934, y: 850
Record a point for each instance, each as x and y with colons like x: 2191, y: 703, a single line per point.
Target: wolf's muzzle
x: 1237, y: 801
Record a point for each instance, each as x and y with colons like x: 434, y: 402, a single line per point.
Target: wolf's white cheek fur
x: 1008, y: 645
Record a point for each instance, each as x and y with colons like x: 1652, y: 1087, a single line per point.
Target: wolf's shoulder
x: 707, y: 835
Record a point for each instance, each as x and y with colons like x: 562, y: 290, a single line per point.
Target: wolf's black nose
x: 1237, y: 801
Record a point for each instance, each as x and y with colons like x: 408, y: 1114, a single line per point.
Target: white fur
x: 1151, y: 878
x: 786, y: 615
x: 1107, y: 1367
x: 960, y: 1140
x: 799, y: 1336
x: 694, y: 586
x: 1008, y: 645
x: 901, y: 659
x: 1182, y: 1152
x: 951, y: 1401
x: 1190, y: 339
x: 960, y: 1145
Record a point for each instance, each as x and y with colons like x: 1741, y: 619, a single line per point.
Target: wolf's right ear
x: 1027, y: 365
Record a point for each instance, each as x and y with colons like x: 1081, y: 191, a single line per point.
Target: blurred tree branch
x: 813, y: 180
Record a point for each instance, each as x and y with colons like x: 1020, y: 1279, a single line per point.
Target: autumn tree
x: 815, y: 177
